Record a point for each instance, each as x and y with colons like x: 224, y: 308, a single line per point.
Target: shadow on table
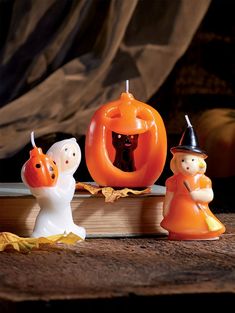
x: 183, y: 303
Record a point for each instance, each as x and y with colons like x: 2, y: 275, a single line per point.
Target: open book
x: 134, y: 215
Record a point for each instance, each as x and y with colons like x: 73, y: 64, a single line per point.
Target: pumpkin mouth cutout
x: 128, y: 152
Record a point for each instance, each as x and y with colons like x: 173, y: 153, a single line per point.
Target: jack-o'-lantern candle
x: 39, y: 170
x: 126, y: 144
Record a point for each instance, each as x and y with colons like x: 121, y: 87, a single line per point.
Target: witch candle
x: 186, y: 212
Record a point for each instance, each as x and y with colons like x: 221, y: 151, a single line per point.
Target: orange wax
x: 40, y: 170
x: 185, y: 220
x: 126, y: 117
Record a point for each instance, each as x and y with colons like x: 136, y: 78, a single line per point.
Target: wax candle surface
x: 55, y: 216
x: 126, y: 144
x: 186, y: 212
x: 39, y: 170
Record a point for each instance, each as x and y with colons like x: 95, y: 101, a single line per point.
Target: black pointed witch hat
x: 189, y: 141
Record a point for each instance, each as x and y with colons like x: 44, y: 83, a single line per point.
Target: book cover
x: 134, y: 215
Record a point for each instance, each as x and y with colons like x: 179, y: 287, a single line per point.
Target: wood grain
x: 113, y: 268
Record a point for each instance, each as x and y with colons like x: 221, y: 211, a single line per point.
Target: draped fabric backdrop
x: 61, y: 60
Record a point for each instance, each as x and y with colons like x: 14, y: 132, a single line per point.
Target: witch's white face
x: 190, y: 164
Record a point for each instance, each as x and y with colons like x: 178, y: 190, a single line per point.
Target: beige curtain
x: 137, y: 40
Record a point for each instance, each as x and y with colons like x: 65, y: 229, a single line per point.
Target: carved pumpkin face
x: 126, y: 144
x: 39, y: 170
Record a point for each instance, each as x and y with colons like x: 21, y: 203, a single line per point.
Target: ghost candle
x: 186, y: 212
x: 126, y: 143
x: 50, y: 179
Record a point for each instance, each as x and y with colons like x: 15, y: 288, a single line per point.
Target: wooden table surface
x: 114, y: 269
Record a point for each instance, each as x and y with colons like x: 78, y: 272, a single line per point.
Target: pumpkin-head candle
x: 126, y: 144
x: 39, y: 170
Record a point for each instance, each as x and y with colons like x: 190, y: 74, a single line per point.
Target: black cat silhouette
x: 124, y: 146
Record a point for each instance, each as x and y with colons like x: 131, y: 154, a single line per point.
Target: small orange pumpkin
x: 139, y: 158
x: 216, y: 133
x: 40, y: 170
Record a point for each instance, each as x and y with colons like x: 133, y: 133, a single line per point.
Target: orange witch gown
x: 185, y: 221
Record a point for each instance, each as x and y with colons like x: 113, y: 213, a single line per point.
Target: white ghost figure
x: 55, y: 216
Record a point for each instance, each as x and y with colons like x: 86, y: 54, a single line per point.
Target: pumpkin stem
x: 32, y: 139
x: 188, y: 121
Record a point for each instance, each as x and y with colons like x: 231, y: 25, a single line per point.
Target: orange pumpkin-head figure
x: 39, y: 170
x: 126, y: 144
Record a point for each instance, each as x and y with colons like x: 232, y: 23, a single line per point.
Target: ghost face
x: 70, y: 157
x: 189, y: 163
x: 67, y: 155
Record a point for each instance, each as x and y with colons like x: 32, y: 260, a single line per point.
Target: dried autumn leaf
x: 89, y: 187
x: 69, y: 239
x: 9, y: 240
x: 109, y: 193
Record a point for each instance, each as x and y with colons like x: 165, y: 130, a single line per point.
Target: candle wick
x: 188, y: 121
x: 127, y: 86
x: 32, y: 139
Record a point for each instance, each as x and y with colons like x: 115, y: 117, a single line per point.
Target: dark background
x: 202, y: 79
